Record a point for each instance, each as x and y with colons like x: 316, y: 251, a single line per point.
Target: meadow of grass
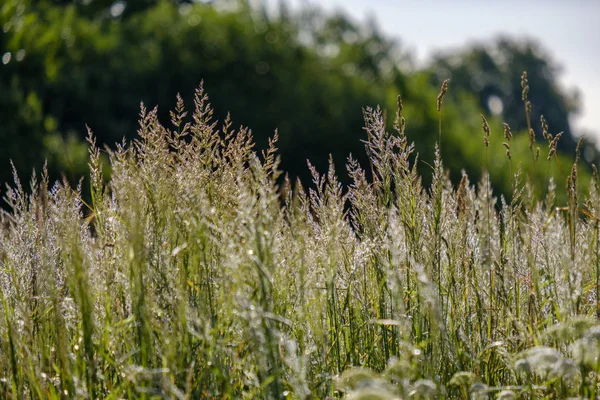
x: 198, y: 271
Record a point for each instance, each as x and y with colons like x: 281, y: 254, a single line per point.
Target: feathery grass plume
x: 508, y: 137
x: 506, y: 144
x: 578, y: 149
x: 399, y: 122
x: 572, y: 178
x: 545, y: 134
x: 552, y: 145
x: 524, y: 86
x: 380, y: 146
x: 507, y: 132
x: 488, y: 252
x: 224, y: 285
x: 437, y: 193
x: 531, y: 134
x: 535, y: 152
x: 572, y: 220
x: 486, y: 130
x: 461, y: 195
x: 527, y: 104
x: 507, y: 147
x: 440, y: 98
x: 440, y: 101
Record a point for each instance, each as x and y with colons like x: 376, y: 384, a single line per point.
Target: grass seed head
x: 524, y: 86
x: 544, y: 124
x: 400, y: 122
x: 440, y: 98
x: 553, y: 144
x: 507, y: 132
x: 461, y: 196
x: 578, y: 149
x: 531, y: 139
x: 486, y: 129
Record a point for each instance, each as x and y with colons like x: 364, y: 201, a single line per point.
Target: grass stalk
x: 222, y: 284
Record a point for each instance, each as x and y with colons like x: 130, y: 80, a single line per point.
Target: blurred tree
x: 101, y: 9
x: 68, y: 64
x: 92, y: 68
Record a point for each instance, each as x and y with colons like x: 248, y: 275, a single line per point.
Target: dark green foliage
x: 306, y: 75
x: 93, y: 69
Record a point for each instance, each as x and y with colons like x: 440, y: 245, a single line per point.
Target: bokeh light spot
x: 117, y: 9
x: 495, y: 105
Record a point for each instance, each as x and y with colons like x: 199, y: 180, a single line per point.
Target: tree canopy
x: 308, y: 75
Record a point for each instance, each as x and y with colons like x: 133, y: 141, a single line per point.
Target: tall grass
x: 198, y: 271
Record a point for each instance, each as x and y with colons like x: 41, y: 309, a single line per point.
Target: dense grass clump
x: 194, y: 273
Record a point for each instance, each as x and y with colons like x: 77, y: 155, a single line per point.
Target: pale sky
x: 568, y: 30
